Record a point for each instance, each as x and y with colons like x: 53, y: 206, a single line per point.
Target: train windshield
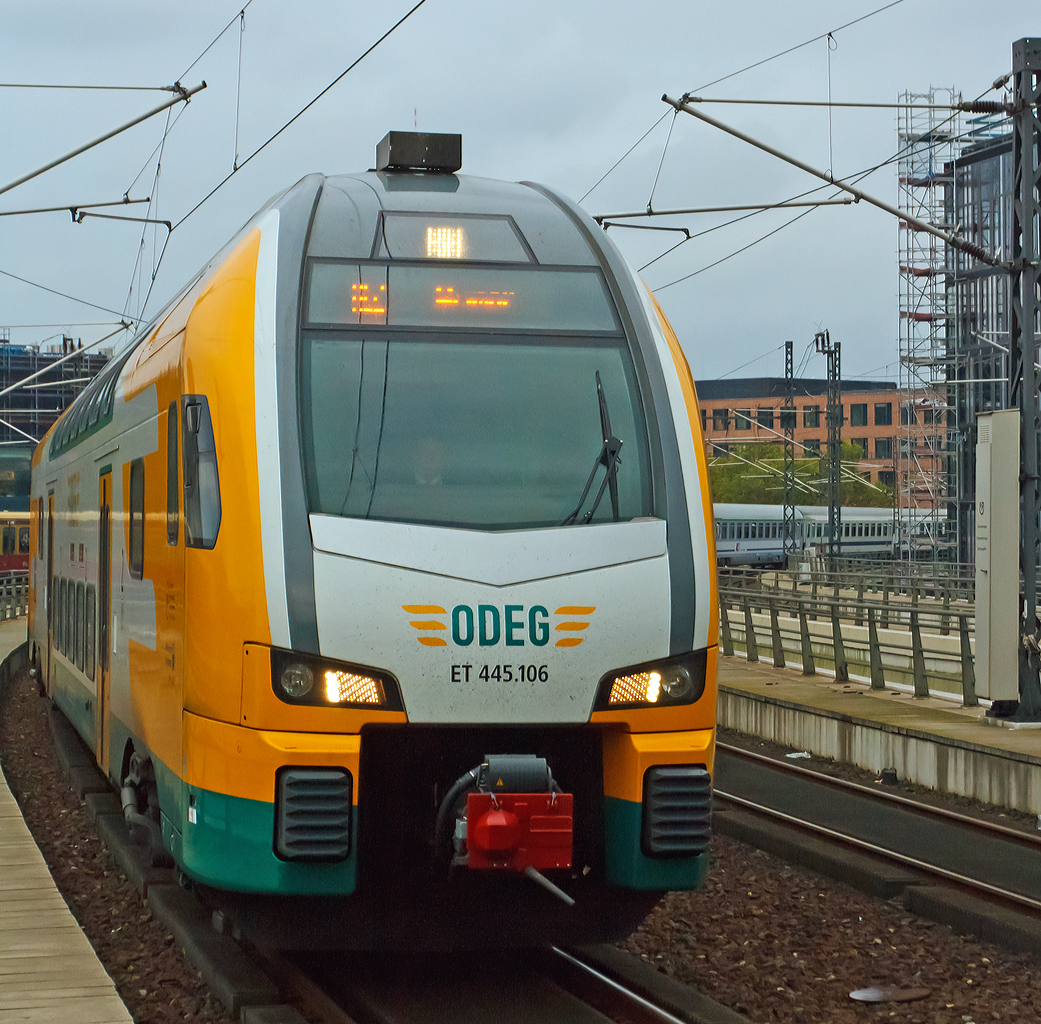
x: 468, y: 428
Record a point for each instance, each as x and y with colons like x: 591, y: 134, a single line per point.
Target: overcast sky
x: 550, y: 92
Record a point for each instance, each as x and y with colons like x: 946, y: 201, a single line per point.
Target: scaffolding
x: 27, y: 413
x: 929, y: 141
x: 955, y: 170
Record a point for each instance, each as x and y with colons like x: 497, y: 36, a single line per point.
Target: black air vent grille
x: 313, y: 814
x: 677, y: 808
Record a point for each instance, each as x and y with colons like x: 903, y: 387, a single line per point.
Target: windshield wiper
x: 608, y: 458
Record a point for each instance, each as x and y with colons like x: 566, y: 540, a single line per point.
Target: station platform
x: 49, y: 973
x: 929, y: 741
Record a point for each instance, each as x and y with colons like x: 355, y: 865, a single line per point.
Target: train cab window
x: 136, y: 555
x: 90, y: 631
x: 202, y: 508
x: 79, y: 628
x: 172, y: 522
x: 488, y: 424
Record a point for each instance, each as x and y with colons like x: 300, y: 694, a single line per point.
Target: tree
x: 754, y: 474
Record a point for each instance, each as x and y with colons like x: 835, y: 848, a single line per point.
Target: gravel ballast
x: 771, y: 941
x: 158, y: 985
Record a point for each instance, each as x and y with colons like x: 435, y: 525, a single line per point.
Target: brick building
x: 876, y: 417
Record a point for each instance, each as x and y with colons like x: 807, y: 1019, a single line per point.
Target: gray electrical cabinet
x: 997, y: 555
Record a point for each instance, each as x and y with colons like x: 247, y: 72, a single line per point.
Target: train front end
x: 486, y: 712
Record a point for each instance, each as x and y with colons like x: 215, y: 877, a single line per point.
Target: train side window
x: 67, y: 595
x: 56, y: 612
x: 10, y: 538
x: 80, y: 626
x: 23, y: 540
x: 172, y: 521
x: 137, y: 518
x: 89, y: 618
x: 202, y: 508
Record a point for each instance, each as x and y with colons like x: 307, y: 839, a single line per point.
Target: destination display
x: 439, y: 296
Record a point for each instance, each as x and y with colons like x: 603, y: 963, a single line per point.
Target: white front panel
x: 452, y: 643
x: 499, y: 559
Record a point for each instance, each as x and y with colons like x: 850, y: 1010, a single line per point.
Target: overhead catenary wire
x: 96, y: 88
x: 64, y: 295
x: 72, y: 208
x: 952, y: 239
x: 770, y: 352
x: 799, y: 46
x: 209, y: 46
x: 855, y: 177
x: 159, y: 146
x: 307, y: 106
x: 238, y: 88
x: 184, y: 96
x: 737, y: 252
x: 124, y: 326
x: 734, y: 74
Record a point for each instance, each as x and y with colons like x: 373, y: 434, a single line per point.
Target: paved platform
x: 48, y: 970
x: 929, y: 741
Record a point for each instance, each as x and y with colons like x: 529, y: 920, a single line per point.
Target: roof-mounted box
x: 419, y: 151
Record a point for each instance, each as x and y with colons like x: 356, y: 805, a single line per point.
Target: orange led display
x: 446, y: 295
x: 445, y: 243
x: 368, y: 303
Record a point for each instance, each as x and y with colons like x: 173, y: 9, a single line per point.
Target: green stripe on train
x: 626, y: 864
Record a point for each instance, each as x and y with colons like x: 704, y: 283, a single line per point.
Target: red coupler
x: 512, y: 831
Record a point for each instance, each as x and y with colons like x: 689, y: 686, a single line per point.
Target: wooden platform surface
x: 48, y: 970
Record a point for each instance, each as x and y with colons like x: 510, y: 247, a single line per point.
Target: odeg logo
x: 488, y: 625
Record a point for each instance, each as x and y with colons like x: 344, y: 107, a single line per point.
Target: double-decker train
x: 378, y: 570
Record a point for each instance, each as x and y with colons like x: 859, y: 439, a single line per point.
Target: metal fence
x: 14, y: 596
x: 882, y: 630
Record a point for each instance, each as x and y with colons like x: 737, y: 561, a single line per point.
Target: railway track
x: 915, y: 845
x: 549, y: 985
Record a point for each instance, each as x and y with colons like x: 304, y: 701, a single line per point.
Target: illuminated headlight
x: 294, y: 678
x: 350, y: 688
x: 679, y: 680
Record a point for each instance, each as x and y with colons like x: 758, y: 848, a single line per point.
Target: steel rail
x: 644, y: 1007
x: 843, y: 838
x: 885, y: 797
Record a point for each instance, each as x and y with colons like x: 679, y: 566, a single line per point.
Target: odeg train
x: 378, y: 571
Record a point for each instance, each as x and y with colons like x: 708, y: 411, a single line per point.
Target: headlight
x: 293, y: 678
x: 296, y: 680
x: 672, y: 681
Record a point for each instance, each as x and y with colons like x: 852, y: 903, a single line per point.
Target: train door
x: 49, y: 585
x: 104, y: 611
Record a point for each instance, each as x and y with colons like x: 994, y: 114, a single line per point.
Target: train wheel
x: 140, y: 797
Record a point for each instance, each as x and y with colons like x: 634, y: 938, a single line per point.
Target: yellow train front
x: 377, y: 570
